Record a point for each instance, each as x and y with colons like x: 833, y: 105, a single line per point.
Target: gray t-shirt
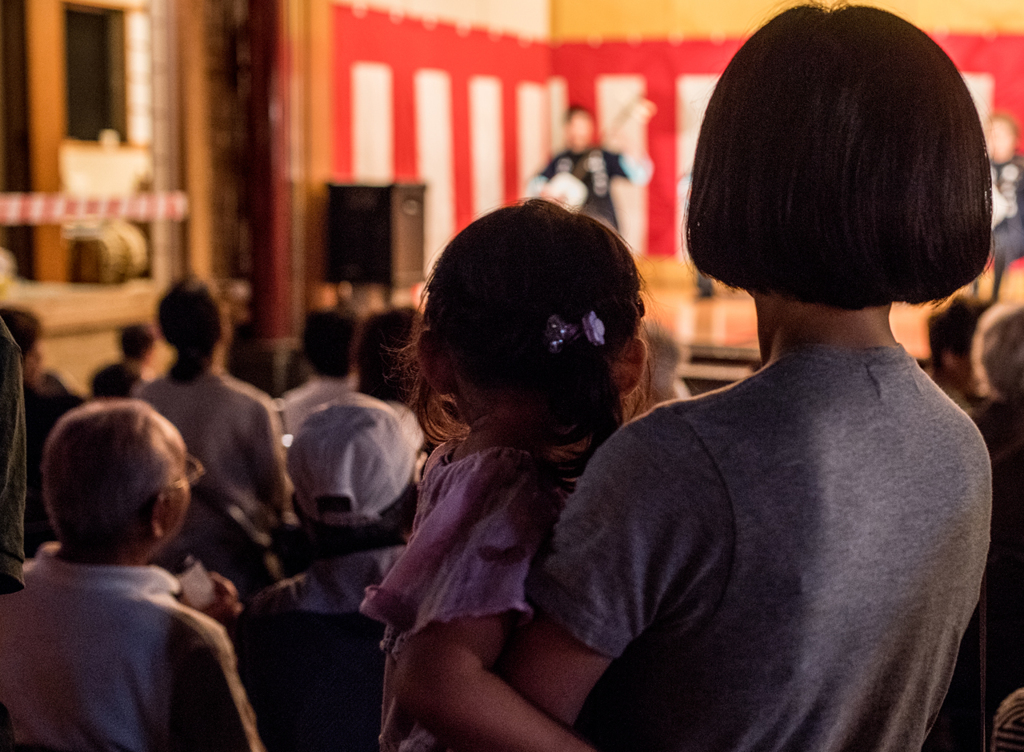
x: 786, y: 564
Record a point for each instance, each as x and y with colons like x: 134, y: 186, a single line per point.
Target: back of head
x: 496, y: 289
x: 663, y: 356
x: 952, y: 329
x: 190, y: 320
x: 115, y: 380
x: 24, y: 326
x: 350, y: 462
x: 842, y: 162
x: 102, y: 463
x: 327, y: 341
x: 999, y: 346
x: 382, y: 337
x: 137, y: 340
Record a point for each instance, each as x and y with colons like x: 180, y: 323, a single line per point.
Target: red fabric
x: 1002, y: 56
x: 408, y: 44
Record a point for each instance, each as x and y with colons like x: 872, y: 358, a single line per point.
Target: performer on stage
x: 581, y: 175
x: 1007, y: 196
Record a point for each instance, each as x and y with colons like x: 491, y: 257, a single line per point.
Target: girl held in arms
x: 527, y: 349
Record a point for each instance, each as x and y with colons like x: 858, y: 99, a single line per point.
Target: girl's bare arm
x: 444, y: 679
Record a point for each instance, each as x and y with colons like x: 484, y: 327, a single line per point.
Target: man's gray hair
x: 999, y: 350
x: 102, y: 463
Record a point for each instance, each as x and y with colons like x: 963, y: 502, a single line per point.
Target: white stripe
x: 434, y: 162
x: 615, y: 96
x: 486, y: 143
x: 36, y: 206
x: 558, y: 105
x: 982, y: 87
x: 533, y: 138
x: 372, y: 124
x: 692, y: 96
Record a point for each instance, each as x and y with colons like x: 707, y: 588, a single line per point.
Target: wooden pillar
x: 269, y: 183
x: 47, y: 97
x: 195, y: 108
x: 17, y: 166
x: 317, y: 172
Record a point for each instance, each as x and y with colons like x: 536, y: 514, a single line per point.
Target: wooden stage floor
x: 728, y: 322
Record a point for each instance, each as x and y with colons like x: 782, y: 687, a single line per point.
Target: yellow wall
x: 528, y: 18
x: 577, y: 20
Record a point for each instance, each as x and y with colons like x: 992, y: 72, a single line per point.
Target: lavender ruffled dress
x: 480, y: 520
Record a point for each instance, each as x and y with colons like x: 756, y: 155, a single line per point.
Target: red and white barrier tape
x: 58, y: 208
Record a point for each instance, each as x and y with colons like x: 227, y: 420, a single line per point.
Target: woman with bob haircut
x: 788, y: 563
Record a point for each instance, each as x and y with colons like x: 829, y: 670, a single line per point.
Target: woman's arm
x: 444, y: 680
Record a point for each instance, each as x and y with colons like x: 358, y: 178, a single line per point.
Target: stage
x: 718, y: 335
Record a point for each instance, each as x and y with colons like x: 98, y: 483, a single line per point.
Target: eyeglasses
x: 194, y: 470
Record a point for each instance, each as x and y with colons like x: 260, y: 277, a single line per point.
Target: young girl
x: 527, y: 349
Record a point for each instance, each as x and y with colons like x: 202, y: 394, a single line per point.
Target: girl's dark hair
x: 382, y: 338
x: 191, y: 322
x: 488, y: 302
x: 842, y: 162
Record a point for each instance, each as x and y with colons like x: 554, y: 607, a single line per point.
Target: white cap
x: 355, y: 449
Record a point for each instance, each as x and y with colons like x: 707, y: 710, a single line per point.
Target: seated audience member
x: 115, y: 380
x: 327, y: 344
x: 97, y: 653
x: 663, y: 361
x: 1000, y: 354
x: 45, y: 401
x: 232, y: 428
x: 950, y: 332
x: 999, y: 360
x: 138, y: 347
x: 382, y: 337
x: 310, y: 662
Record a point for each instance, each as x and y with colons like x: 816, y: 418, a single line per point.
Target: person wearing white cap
x: 311, y: 663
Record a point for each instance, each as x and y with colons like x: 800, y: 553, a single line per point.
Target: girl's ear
x: 628, y: 368
x: 436, y: 364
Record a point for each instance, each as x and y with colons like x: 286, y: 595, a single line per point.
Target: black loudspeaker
x: 375, y: 234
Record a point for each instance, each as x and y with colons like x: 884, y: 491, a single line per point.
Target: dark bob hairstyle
x: 841, y: 162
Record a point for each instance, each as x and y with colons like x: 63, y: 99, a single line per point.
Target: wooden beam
x: 47, y: 83
x: 194, y: 96
x: 317, y: 173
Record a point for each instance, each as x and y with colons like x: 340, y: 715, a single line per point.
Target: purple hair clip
x: 558, y: 331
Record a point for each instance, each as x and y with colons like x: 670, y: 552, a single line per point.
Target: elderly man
x: 97, y: 653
